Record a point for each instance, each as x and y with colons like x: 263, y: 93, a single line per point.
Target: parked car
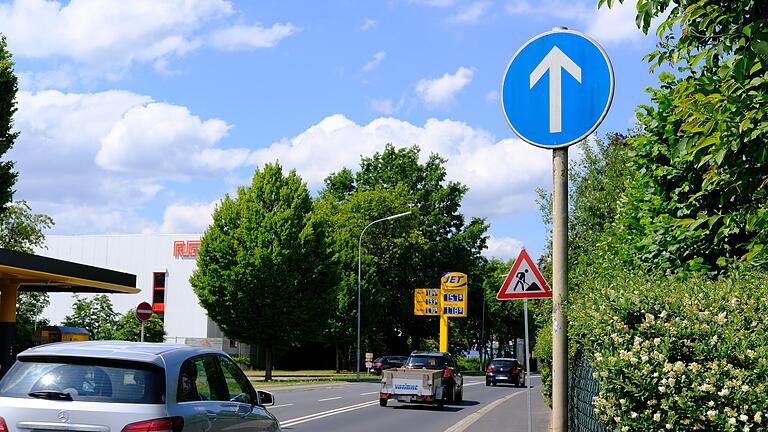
x: 453, y: 380
x: 506, y: 370
x: 130, y: 387
x: 386, y: 362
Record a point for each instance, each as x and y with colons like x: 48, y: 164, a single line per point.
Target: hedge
x: 676, y: 355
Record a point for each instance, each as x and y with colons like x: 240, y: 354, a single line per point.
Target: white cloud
x: 104, y: 37
x: 442, y: 91
x: 368, y: 24
x: 375, y: 61
x: 492, y: 96
x: 606, y: 25
x: 501, y: 175
x: 186, y: 218
x: 241, y: 37
x: 504, y: 248
x: 139, y: 144
x: 384, y: 106
x: 472, y: 13
x: 166, y: 139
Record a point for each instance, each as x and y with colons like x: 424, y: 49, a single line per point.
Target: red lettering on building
x: 188, y: 248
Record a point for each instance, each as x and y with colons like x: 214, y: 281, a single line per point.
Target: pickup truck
x: 412, y: 385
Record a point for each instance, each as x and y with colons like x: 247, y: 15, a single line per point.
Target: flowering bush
x: 677, y: 355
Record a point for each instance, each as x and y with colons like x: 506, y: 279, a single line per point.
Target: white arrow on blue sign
x: 557, y: 89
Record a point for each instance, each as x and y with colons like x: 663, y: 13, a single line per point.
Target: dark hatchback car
x: 386, y: 362
x: 453, y: 381
x: 507, y: 370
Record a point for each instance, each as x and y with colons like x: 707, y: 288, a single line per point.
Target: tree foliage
x: 95, y: 314
x: 263, y: 269
x: 128, y: 328
x: 8, y: 88
x: 401, y: 254
x: 21, y: 230
x: 700, y: 200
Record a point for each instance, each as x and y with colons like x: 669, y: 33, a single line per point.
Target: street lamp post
x: 359, y: 279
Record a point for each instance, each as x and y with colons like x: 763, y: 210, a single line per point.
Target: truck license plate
x: 404, y: 399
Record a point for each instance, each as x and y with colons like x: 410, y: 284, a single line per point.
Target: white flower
x: 723, y: 392
x: 721, y: 318
x: 711, y: 414
x: 633, y: 414
x: 732, y: 421
x: 657, y: 416
x: 743, y: 417
x: 758, y: 417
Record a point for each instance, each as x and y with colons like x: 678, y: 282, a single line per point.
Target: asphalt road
x: 355, y: 407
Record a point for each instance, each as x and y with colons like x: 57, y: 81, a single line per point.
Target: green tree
x: 403, y: 254
x: 128, y: 328
x: 8, y: 88
x: 700, y: 199
x: 94, y: 314
x: 264, y: 270
x: 22, y: 231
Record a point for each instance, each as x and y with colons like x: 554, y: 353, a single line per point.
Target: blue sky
x: 139, y: 116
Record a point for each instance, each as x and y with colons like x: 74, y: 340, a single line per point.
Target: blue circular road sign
x: 557, y: 89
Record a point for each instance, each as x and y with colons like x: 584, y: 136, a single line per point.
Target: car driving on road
x: 453, y: 380
x: 386, y: 362
x: 506, y: 370
x: 130, y: 387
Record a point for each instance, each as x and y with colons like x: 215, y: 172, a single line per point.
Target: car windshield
x: 85, y: 379
x: 427, y: 362
x: 504, y: 363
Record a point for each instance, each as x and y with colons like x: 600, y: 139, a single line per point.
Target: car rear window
x: 504, y: 363
x: 86, y: 379
x: 427, y: 362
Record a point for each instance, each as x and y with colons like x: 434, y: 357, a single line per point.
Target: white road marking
x: 280, y: 406
x: 369, y: 393
x: 475, y: 416
x: 471, y: 384
x: 327, y: 399
x: 293, y: 422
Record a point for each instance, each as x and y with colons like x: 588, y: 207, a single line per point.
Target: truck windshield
x: 425, y: 362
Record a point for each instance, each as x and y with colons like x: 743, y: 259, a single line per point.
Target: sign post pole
x: 443, y: 333
x: 527, y: 365
x: 142, y: 331
x: 560, y: 290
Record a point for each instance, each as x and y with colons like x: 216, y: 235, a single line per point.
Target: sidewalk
x: 511, y: 414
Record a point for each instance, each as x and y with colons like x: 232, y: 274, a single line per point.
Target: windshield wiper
x: 50, y: 394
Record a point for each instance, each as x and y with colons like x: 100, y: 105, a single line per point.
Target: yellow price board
x: 426, y: 301
x: 454, y: 302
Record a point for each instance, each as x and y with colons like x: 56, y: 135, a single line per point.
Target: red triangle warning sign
x: 524, y: 281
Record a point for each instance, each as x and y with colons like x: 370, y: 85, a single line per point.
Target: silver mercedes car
x: 111, y: 386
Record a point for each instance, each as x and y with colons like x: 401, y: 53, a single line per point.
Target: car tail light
x: 168, y: 424
x: 379, y: 364
x: 447, y: 373
x: 3, y: 426
x: 489, y: 369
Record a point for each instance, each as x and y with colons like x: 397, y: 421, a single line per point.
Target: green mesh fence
x: 582, y: 388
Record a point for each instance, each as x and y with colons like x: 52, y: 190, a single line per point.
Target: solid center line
x: 369, y: 393
x: 327, y: 399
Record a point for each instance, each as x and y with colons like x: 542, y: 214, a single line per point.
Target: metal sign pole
x: 142, y: 331
x: 527, y: 365
x: 560, y: 290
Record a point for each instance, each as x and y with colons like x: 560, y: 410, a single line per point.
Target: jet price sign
x: 426, y: 301
x: 455, y: 302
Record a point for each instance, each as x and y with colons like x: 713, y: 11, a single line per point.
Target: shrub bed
x: 677, y: 355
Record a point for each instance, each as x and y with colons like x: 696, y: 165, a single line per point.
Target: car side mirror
x: 265, y: 398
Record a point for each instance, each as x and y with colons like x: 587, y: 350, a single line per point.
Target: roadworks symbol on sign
x: 524, y: 281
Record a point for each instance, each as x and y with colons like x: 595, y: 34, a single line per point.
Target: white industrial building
x: 162, y: 264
